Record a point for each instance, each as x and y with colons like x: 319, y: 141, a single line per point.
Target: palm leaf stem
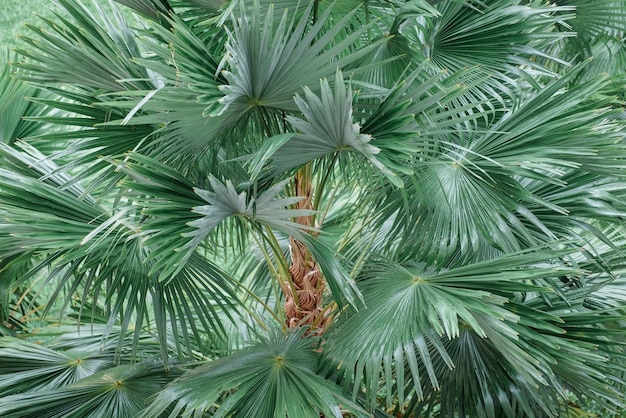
x: 270, y: 264
x: 322, y: 184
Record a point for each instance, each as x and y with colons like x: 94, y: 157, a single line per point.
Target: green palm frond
x: 119, y: 391
x: 148, y: 8
x: 328, y: 129
x: 197, y: 218
x: 266, y: 208
x: 15, y: 105
x: 596, y: 18
x: 545, y: 333
x: 81, y: 151
x: 393, y: 54
x: 430, y: 303
x: 267, y: 66
x: 194, y: 60
x: 59, y: 52
x: 609, y: 57
x: 166, y: 191
x: 186, y: 64
x: 418, y: 108
x: 499, y: 36
x: 275, y: 377
x: 17, y: 304
x: 62, y: 42
x: 101, y: 254
x: 475, y: 186
x: 600, y: 27
x: 605, y: 201
x: 485, y: 382
x: 29, y: 367
x: 575, y: 111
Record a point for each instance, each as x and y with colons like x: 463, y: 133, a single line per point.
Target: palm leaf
x: 120, y: 391
x: 430, y: 304
x: 122, y: 263
x: 498, y: 36
x: 328, y: 129
x: 15, y: 107
x: 274, y: 377
x: 548, y: 334
x: 197, y: 218
x: 600, y: 26
x: 29, y: 367
x: 472, y: 187
x: 17, y: 304
x: 266, y: 67
x: 154, y: 201
x: 65, y: 45
x: 595, y: 18
x: 62, y: 42
x: 148, y: 8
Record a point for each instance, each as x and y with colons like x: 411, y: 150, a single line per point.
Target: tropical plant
x: 290, y: 208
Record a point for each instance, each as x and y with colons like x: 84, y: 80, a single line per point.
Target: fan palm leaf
x: 14, y: 109
x: 274, y: 377
x: 488, y: 185
x: 119, y: 391
x: 429, y: 302
x: 29, y: 367
x: 501, y: 37
x: 88, y: 226
x: 266, y: 67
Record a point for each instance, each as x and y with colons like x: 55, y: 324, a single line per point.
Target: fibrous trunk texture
x: 303, y: 298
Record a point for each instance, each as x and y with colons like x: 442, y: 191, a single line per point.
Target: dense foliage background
x: 289, y: 208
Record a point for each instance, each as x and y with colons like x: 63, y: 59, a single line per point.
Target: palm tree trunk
x: 305, y: 306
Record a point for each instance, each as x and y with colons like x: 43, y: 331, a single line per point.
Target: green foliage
x: 274, y: 377
x: 119, y: 391
x: 445, y: 177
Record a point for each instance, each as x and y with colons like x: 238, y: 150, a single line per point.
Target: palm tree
x: 288, y: 208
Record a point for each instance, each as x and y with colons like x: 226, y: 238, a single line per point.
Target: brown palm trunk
x: 305, y: 306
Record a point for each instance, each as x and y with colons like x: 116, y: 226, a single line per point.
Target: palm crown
x: 258, y: 209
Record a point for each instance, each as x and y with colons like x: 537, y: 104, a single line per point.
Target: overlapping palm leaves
x: 257, y: 377
x: 78, y: 374
x: 15, y: 301
x: 467, y: 207
x: 119, y: 391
